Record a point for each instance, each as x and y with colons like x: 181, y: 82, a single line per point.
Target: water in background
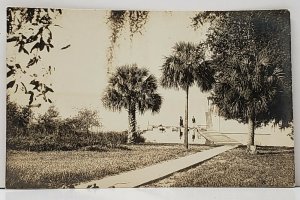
x: 171, y: 135
x: 266, y: 136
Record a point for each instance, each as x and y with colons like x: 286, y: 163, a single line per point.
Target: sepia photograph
x: 133, y: 98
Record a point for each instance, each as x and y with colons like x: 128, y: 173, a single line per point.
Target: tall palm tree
x: 248, y: 89
x: 185, y: 67
x: 133, y: 89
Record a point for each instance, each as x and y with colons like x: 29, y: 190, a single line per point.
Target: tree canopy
x: 18, y: 118
x: 87, y: 118
x: 251, y: 54
x: 133, y: 89
x: 132, y: 86
x: 187, y: 66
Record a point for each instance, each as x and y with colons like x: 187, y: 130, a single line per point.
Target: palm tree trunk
x: 186, y: 126
x: 251, y: 127
x: 132, y: 124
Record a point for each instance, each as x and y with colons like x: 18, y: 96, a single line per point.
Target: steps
x: 216, y: 138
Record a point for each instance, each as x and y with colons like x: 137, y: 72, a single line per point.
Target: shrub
x: 67, y: 141
x: 138, y: 138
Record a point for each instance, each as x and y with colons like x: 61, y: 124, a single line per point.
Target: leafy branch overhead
x: 29, y: 30
x: 117, y: 20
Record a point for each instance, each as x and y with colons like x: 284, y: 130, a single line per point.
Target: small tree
x: 13, y: 114
x: 86, y: 119
x: 185, y: 67
x: 133, y: 89
x: 25, y: 119
x: 49, y: 122
x: 18, y: 118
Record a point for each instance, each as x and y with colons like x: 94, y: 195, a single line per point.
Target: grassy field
x: 53, y: 169
x: 272, y: 167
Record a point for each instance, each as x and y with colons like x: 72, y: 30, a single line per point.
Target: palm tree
x: 185, y: 67
x: 251, y: 52
x: 132, y: 88
x: 248, y: 90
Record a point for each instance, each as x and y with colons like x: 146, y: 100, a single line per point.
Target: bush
x: 138, y: 138
x: 67, y: 141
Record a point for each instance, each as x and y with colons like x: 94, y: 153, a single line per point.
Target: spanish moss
x: 117, y: 21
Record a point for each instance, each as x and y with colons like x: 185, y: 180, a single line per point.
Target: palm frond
x: 132, y: 86
x: 185, y: 66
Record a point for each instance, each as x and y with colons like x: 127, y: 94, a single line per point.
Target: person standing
x: 180, y: 126
x: 194, y: 128
x: 181, y: 122
x: 194, y: 121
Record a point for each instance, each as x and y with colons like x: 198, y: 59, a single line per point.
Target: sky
x: 80, y: 75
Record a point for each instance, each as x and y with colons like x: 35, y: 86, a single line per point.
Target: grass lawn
x: 272, y: 167
x: 53, y: 169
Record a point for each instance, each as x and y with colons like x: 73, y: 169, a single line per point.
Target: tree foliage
x: 18, y: 119
x: 252, y: 49
x: 251, y: 52
x: 29, y: 29
x: 50, y: 121
x: 21, y: 121
x: 50, y: 132
x: 133, y: 89
x: 185, y: 67
x: 117, y: 20
x: 86, y: 118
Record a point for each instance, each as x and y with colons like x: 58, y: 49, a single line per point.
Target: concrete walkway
x: 145, y: 175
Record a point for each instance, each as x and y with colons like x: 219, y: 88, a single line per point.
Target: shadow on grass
x: 271, y: 150
x: 275, y: 152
